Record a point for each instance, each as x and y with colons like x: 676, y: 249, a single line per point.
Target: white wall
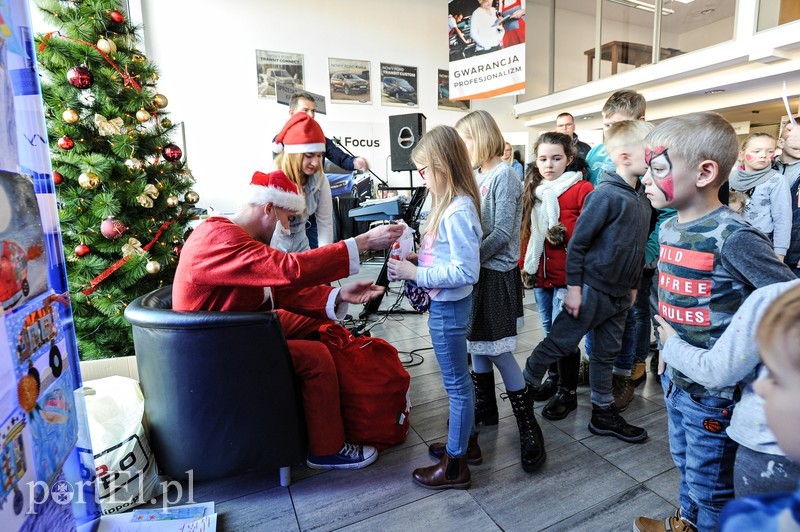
x: 207, y: 70
x: 714, y: 33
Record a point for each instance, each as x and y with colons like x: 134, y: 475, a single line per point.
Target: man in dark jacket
x: 565, y: 123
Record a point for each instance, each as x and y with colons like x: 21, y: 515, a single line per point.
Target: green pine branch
x: 113, y: 160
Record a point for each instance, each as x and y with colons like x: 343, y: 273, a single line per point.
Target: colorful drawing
x: 12, y: 461
x: 23, y: 261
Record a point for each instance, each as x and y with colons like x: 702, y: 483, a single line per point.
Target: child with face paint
x: 767, y: 200
x: 710, y: 260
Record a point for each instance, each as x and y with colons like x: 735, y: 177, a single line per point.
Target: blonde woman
x: 302, y: 144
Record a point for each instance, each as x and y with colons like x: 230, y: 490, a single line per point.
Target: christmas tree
x: 123, y: 191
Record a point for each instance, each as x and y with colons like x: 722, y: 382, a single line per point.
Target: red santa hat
x: 277, y: 189
x: 301, y: 134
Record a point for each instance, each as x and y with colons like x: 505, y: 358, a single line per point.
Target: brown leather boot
x: 622, y: 388
x: 474, y: 456
x: 449, y: 473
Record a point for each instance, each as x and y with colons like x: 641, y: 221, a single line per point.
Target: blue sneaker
x: 351, y: 456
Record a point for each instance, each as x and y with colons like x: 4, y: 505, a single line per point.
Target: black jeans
x: 605, y: 316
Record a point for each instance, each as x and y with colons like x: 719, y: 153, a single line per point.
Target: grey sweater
x: 501, y: 217
x: 734, y: 359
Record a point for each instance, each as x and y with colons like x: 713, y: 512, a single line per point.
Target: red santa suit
x: 222, y: 268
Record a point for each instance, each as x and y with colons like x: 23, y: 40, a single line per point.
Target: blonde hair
x: 697, y: 137
x: 443, y: 151
x: 752, y: 136
x: 292, y: 166
x: 779, y: 328
x: 626, y: 102
x: 510, y: 157
x: 488, y: 141
x: 625, y: 133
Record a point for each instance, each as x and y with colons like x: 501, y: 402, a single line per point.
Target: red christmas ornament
x: 57, y: 178
x: 112, y: 228
x: 82, y: 249
x: 172, y: 152
x: 80, y: 77
x: 117, y: 17
x: 66, y: 143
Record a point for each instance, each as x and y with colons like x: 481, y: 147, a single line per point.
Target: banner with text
x: 487, y: 49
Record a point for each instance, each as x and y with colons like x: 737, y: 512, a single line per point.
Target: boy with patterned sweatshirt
x: 710, y: 260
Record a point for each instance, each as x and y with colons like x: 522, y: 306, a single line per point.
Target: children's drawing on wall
x: 23, y: 262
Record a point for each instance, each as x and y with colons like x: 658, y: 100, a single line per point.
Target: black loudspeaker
x: 404, y: 134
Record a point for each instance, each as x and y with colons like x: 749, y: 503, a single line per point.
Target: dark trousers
x: 605, y: 316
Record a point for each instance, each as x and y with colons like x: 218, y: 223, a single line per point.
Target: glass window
x: 538, y: 50
x: 574, y: 33
x: 689, y: 25
x: 773, y: 13
x: 626, y: 38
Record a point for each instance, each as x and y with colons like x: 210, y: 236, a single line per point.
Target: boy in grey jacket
x: 605, y: 258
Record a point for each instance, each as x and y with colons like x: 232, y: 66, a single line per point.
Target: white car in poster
x: 273, y: 76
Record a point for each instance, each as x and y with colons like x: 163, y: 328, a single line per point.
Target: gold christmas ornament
x: 166, y: 123
x: 106, y: 46
x: 153, y: 267
x: 160, y: 101
x: 88, y: 180
x: 133, y: 163
x: 142, y: 115
x: 70, y: 116
x: 133, y: 247
x: 146, y: 198
x: 191, y: 197
x: 173, y: 201
x: 106, y: 127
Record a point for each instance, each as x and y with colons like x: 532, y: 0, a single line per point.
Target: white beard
x: 281, y: 238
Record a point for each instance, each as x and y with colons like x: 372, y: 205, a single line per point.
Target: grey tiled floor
x: 587, y: 483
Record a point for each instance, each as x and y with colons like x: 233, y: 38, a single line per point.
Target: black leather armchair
x: 220, y: 393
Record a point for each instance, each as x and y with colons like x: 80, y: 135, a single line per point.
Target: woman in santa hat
x: 300, y: 146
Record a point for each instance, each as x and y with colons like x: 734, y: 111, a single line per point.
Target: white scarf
x: 545, y: 214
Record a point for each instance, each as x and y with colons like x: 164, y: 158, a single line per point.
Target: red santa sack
x: 374, y: 387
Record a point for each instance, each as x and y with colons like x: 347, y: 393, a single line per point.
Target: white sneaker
x: 351, y: 456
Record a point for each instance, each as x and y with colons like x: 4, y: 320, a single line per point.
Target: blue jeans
x: 549, y: 302
x: 702, y: 451
x: 311, y: 232
x: 636, y: 339
x: 447, y: 321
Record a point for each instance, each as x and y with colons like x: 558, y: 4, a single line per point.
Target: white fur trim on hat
x: 260, y: 195
x: 277, y: 147
x: 314, y: 147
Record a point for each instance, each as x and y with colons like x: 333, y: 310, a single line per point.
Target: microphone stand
x: 383, y: 184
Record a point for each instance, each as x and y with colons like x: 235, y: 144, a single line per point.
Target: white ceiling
x: 686, y: 17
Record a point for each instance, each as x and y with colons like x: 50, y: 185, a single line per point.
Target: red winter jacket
x: 553, y: 262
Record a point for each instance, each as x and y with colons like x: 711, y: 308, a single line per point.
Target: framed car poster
x: 399, y: 85
x: 349, y: 80
x: 274, y: 68
x: 443, y: 94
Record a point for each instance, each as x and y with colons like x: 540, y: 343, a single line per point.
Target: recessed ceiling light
x: 707, y: 11
x: 715, y: 91
x: 589, y: 117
